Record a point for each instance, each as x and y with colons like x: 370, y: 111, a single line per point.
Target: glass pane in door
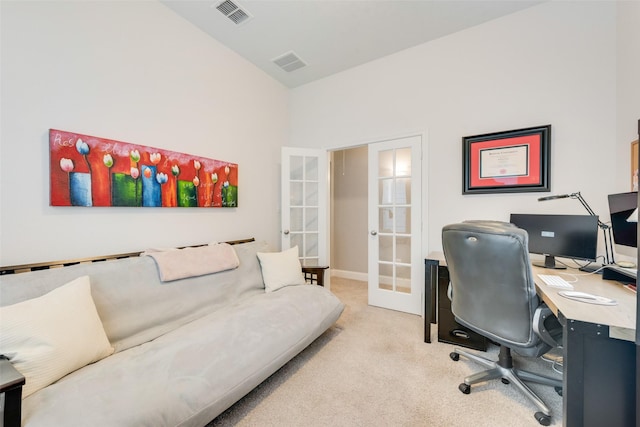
x: 304, y: 207
x: 394, y: 220
x: 386, y: 248
x: 403, y: 161
x: 296, y: 192
x: 385, y: 163
x: 403, y: 250
x: 403, y: 220
x: 385, y: 272
x: 403, y: 278
x: 295, y: 168
x: 311, y: 220
x: 311, y: 168
x: 311, y: 193
x: 296, y: 224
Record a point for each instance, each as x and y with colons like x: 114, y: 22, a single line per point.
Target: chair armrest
x: 11, y: 382
x: 547, y: 326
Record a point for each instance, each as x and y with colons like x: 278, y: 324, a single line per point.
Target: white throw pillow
x: 48, y: 337
x: 281, y: 269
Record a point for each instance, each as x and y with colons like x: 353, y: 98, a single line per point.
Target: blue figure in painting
x: 151, y: 188
x: 80, y: 188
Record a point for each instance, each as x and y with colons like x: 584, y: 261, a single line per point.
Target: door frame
x: 424, y: 232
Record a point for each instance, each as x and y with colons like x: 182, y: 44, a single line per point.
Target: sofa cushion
x: 48, y: 337
x: 190, y: 375
x: 281, y: 269
x: 134, y: 305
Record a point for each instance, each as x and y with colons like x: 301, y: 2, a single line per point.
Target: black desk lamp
x: 606, y: 229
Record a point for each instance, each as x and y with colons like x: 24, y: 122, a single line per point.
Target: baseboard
x: 353, y: 275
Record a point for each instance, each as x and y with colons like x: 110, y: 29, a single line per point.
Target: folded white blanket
x: 198, y: 261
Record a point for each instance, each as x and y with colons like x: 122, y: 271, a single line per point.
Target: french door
x: 305, y: 204
x: 395, y: 212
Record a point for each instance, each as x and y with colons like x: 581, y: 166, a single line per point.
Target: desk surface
x: 621, y: 317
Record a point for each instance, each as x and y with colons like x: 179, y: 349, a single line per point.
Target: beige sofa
x: 177, y: 353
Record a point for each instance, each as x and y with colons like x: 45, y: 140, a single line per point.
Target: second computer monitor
x: 621, y: 207
x: 566, y: 236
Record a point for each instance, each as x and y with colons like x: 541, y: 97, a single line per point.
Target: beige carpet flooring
x: 373, y: 369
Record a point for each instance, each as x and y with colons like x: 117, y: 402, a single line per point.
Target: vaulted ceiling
x: 313, y: 39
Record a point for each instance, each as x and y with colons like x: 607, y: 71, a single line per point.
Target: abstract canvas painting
x: 91, y: 171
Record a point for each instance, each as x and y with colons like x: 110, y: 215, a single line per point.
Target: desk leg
x: 599, y: 377
x: 430, y: 285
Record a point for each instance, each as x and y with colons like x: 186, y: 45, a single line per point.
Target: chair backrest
x: 493, y: 289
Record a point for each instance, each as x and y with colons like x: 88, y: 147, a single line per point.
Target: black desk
x: 449, y: 331
x: 599, y: 381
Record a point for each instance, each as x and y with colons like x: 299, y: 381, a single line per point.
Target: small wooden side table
x: 11, y: 382
x: 314, y: 274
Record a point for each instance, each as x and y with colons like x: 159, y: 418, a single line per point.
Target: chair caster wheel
x: 558, y: 390
x: 454, y: 356
x: 543, y: 419
x: 465, y: 388
x: 504, y: 381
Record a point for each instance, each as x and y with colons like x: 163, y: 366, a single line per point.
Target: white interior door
x: 305, y: 204
x: 395, y: 212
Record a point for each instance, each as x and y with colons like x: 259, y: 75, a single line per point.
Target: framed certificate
x: 514, y: 161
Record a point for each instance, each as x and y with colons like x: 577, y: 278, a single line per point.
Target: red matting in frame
x: 533, y: 175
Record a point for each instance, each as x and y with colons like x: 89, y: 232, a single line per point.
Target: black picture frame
x: 514, y: 161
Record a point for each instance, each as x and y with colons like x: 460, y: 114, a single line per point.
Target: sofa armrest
x: 11, y: 382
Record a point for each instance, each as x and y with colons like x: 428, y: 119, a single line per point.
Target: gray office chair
x: 493, y: 294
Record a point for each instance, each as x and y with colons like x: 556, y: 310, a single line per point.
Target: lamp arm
x: 606, y: 229
x: 584, y: 202
x: 578, y: 196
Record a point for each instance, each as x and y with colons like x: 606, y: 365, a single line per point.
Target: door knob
x: 374, y: 232
x: 286, y: 232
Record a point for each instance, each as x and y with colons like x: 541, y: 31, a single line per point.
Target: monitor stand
x: 550, y: 262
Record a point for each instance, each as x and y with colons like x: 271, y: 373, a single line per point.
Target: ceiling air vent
x: 234, y: 12
x: 289, y: 62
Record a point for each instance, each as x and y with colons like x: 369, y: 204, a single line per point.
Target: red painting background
x: 535, y: 168
x: 62, y: 144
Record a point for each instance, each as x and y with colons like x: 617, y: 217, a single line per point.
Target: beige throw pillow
x: 48, y: 337
x: 281, y: 269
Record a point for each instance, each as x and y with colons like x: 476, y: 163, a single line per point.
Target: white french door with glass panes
x: 395, y: 213
x: 305, y: 204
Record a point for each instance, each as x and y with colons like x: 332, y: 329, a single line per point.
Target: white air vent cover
x: 289, y: 62
x: 234, y: 12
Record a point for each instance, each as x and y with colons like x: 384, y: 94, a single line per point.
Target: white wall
x: 628, y: 70
x: 121, y: 70
x: 628, y: 92
x: 553, y: 63
x: 135, y: 72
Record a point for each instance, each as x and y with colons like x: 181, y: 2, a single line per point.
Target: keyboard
x: 555, y: 281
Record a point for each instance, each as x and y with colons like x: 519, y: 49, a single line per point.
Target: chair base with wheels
x: 504, y: 370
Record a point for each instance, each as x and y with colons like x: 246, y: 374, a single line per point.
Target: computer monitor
x: 566, y: 236
x: 621, y: 206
